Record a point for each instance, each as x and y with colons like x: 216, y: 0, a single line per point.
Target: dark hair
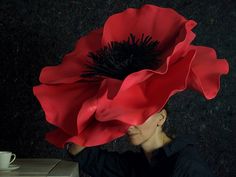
x: 167, y: 127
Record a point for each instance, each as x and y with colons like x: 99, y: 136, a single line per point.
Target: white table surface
x: 43, y: 168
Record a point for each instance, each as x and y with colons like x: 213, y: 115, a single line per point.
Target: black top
x: 179, y: 158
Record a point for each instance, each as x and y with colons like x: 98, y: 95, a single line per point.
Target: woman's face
x: 141, y: 133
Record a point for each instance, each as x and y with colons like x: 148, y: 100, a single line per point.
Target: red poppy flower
x: 95, y: 110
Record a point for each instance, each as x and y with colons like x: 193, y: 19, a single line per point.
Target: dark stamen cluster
x: 119, y: 59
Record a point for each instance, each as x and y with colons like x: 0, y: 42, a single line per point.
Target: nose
x: 132, y: 130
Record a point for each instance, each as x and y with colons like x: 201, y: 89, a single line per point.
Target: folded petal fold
x: 206, y: 71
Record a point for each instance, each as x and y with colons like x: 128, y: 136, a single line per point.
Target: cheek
x: 148, y: 131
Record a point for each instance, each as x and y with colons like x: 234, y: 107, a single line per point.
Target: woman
x: 160, y: 154
x: 119, y: 75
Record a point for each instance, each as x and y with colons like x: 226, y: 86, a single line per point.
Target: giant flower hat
x: 93, y: 107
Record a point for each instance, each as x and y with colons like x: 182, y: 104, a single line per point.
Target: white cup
x: 5, y: 158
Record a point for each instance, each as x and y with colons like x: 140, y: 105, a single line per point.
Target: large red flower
x: 93, y: 111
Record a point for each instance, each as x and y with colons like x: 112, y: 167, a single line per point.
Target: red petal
x: 134, y: 105
x: 91, y: 132
x: 97, y: 133
x: 181, y: 44
x: 163, y: 24
x: 73, y: 63
x: 61, y: 103
x: 206, y: 71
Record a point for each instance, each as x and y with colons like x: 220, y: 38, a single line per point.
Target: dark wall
x: 37, y: 33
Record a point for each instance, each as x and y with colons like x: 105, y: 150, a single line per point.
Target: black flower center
x: 119, y: 59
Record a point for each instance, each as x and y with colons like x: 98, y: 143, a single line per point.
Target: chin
x: 135, y: 141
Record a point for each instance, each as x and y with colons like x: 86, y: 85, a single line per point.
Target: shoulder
x: 190, y: 163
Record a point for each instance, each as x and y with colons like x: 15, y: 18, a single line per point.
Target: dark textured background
x: 37, y: 33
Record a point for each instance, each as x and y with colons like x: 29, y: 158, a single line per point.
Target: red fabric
x: 95, y: 111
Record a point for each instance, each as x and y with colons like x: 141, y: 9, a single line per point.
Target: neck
x: 157, y: 140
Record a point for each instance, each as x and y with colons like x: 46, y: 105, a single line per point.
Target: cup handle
x: 14, y: 157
